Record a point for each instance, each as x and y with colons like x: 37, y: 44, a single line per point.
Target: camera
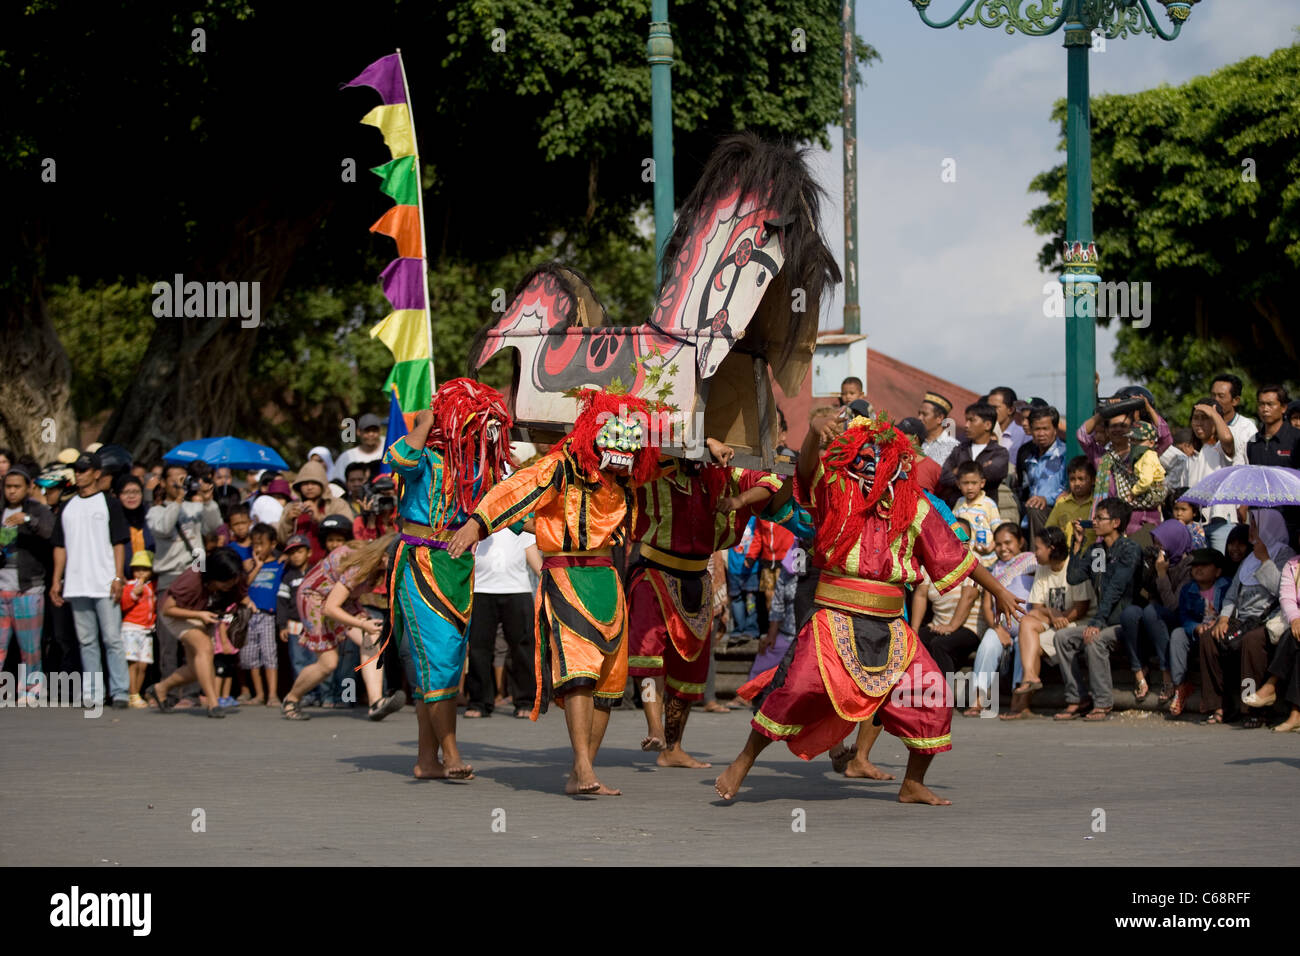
x: 382, y: 496
x: 192, y: 486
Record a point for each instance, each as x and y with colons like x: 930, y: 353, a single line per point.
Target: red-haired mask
x: 878, y: 459
x: 613, y: 435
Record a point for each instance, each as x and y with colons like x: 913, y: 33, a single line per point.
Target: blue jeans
x: 1181, y: 646
x: 744, y: 603
x: 1155, y: 620
x: 988, y: 661
x: 300, y: 657
x: 96, y: 619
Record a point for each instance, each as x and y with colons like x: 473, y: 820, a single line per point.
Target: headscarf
x: 1272, y: 531
x: 1174, y: 538
x: 326, y: 457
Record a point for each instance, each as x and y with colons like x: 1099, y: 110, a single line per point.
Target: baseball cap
x: 336, y: 524
x: 296, y: 541
x: 88, y: 461
x: 369, y: 421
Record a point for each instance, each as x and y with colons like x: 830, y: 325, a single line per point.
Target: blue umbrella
x: 227, y: 452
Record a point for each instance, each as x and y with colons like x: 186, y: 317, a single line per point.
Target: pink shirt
x: 1289, y: 593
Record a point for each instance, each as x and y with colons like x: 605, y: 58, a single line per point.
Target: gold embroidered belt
x: 859, y: 596
x: 674, y: 561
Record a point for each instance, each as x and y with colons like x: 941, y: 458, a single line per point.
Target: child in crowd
x: 139, y: 617
x: 851, y: 390
x: 979, y: 510
x: 258, y: 655
x: 288, y: 623
x: 225, y: 661
x: 1076, y: 504
x: 1199, y: 603
x: 1190, y: 515
x: 334, y: 532
x: 742, y: 588
x: 240, y: 525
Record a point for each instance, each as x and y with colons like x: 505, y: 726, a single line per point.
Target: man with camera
x: 186, y: 514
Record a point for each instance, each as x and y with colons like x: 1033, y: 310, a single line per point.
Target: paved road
x: 337, y: 790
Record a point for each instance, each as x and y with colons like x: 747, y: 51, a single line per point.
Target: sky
x: 949, y: 279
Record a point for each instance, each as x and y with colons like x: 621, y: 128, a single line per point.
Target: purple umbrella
x: 1260, y: 486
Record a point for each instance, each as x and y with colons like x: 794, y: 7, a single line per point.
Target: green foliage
x: 1175, y: 205
x: 105, y: 331
x: 1178, y: 372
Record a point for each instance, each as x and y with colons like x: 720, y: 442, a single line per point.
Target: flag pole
x: 424, y: 247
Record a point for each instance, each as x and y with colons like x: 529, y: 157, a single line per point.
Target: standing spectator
x: 139, y: 617
x: 130, y: 495
x: 768, y: 548
x: 1216, y: 452
x: 258, y: 655
x: 370, y: 431
x: 269, y: 505
x: 978, y: 446
x: 378, y: 515
x: 1198, y: 610
x: 1130, y: 470
x: 1112, y: 566
x: 742, y: 587
x: 1176, y: 459
x: 221, y: 477
x: 25, y: 529
x: 1041, y: 475
x: 240, y: 527
x: 979, y: 510
x: 502, y: 596
x: 89, y: 553
x: 1226, y: 391
x: 316, y: 502
x: 178, y: 527
x: 938, y: 444
x: 288, y: 623
x: 1011, y: 435
x: 1240, y: 633
x: 356, y: 476
x: 1277, y: 443
x: 1076, y: 504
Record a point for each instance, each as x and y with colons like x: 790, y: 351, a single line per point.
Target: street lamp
x: 1080, y: 276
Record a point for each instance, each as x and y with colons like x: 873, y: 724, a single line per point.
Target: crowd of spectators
x: 138, y: 573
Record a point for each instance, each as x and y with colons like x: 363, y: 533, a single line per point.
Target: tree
x: 1197, y: 191
x: 223, y: 163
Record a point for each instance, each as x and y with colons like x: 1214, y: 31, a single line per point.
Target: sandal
x: 1166, y: 692
x: 387, y: 705
x: 974, y: 711
x: 472, y: 712
x: 218, y: 711
x: 1141, y: 689
x: 164, y: 707
x: 1098, y: 715
x: 292, y: 710
x: 1214, y: 718
x: 1027, y: 687
x: 1179, y: 700
x: 1074, y: 711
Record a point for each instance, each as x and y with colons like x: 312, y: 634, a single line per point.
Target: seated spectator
x: 1112, y: 567
x: 1130, y: 470
x: 937, y: 444
x: 979, y: 510
x: 1172, y: 571
x: 1041, y: 475
x: 978, y: 446
x: 1226, y: 393
x: 1076, y: 503
x: 1190, y: 515
x: 1199, y: 601
x: 1250, y: 607
x: 1216, y: 452
x: 1014, y: 569
x: 1284, y: 668
x: 952, y: 631
x: 1054, y: 604
x: 1293, y: 413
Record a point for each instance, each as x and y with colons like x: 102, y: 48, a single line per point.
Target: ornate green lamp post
x: 1080, y: 276
x: 659, y: 51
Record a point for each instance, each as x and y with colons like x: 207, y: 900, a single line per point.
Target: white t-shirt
x: 339, y: 472
x: 1204, y: 463
x: 977, y: 450
x: 945, y: 605
x: 500, y: 565
x: 1053, y: 591
x: 1243, y: 430
x: 86, y: 530
x: 266, y: 508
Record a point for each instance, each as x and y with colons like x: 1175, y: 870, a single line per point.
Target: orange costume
x: 582, y: 511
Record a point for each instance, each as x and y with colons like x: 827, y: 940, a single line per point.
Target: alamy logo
x: 75, y: 909
x: 209, y: 300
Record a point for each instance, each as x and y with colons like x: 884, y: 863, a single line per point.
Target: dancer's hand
x: 721, y: 453
x: 463, y: 539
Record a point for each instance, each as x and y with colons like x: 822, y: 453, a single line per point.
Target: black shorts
x: 225, y: 664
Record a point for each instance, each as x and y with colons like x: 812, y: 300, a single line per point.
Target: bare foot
x: 729, y: 783
x: 840, y: 756
x: 677, y: 757
x: 434, y: 771
x: 460, y: 771
x: 273, y: 702
x: 588, y: 786
x: 865, y: 770
x: 1288, y: 725
x: 256, y: 701
x: 653, y: 743
x: 914, y: 792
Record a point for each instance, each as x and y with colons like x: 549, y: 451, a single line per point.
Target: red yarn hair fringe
x: 595, y: 407
x: 894, y: 456
x: 461, y: 410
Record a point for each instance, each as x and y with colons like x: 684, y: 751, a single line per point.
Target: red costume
x: 857, y: 658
